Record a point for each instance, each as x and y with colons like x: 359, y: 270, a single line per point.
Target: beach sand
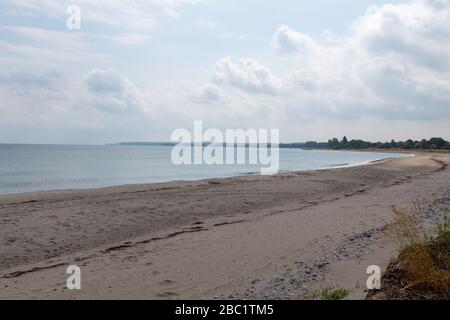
x: 251, y: 237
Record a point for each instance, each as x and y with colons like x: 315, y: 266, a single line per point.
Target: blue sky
x: 137, y: 70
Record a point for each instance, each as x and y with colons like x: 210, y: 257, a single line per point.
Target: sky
x: 136, y: 70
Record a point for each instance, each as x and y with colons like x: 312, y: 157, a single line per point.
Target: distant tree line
x: 432, y: 144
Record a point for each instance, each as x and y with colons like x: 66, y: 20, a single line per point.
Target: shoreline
x: 247, y: 237
x: 333, y: 167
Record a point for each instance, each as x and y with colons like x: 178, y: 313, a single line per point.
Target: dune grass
x: 422, y: 269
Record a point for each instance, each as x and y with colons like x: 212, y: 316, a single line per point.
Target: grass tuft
x: 406, y: 226
x: 329, y: 293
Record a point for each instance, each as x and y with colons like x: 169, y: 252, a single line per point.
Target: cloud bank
x: 394, y: 63
x: 387, y: 76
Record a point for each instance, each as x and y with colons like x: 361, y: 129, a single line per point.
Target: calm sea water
x: 27, y: 168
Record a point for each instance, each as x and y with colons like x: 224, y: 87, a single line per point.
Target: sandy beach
x: 249, y: 237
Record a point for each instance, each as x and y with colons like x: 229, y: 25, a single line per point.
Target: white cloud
x: 416, y: 34
x: 172, y: 13
x: 112, y: 92
x: 287, y: 40
x: 43, y: 44
x: 25, y: 80
x: 248, y: 75
x: 210, y: 93
x: 394, y: 64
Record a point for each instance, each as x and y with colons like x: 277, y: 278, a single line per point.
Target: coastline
x: 242, y: 237
x: 148, y: 184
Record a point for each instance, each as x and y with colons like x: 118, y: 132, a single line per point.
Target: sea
x: 31, y: 168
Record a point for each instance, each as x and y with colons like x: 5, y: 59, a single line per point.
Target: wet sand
x: 247, y: 237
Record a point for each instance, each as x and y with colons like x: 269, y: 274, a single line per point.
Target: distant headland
x: 336, y: 144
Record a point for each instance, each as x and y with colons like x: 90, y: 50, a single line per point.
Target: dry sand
x: 247, y: 237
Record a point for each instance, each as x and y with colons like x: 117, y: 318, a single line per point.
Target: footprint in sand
x: 167, y: 294
x: 166, y: 282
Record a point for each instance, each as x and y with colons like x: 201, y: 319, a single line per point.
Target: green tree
x: 409, y: 144
x: 439, y: 143
x: 334, y: 143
